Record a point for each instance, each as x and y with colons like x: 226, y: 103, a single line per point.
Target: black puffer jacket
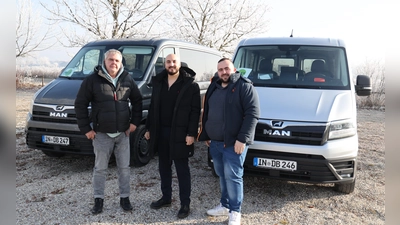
x: 110, y: 105
x: 186, y: 114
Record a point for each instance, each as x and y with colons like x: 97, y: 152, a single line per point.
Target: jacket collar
x: 102, y: 72
x: 184, y: 72
x: 233, y: 78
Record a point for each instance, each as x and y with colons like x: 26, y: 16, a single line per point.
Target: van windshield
x: 294, y: 66
x: 136, y: 60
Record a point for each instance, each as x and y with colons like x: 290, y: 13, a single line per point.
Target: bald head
x: 172, y: 64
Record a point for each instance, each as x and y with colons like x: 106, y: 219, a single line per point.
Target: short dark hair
x: 223, y: 59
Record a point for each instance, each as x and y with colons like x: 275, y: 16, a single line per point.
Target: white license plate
x: 275, y: 164
x: 55, y: 140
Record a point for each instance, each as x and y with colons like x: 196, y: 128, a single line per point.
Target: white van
x: 307, y: 130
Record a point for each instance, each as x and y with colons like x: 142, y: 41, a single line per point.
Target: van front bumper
x: 78, y: 143
x: 310, y: 168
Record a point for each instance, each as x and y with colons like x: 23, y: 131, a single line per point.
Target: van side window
x: 203, y: 63
x: 136, y: 60
x: 159, y: 65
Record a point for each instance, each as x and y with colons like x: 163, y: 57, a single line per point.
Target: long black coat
x: 186, y: 114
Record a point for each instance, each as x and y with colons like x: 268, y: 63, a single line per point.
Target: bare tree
x: 29, y: 35
x: 103, y: 19
x: 375, y: 69
x: 219, y: 23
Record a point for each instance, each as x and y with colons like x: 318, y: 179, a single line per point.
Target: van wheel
x: 53, y: 154
x: 139, y: 147
x: 346, y: 188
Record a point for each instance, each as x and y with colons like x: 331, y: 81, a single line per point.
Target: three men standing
x: 231, y: 112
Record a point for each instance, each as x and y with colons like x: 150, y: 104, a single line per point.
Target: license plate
x: 55, y: 140
x: 275, y: 164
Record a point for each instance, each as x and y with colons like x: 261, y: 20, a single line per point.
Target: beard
x: 172, y: 71
x: 225, y: 79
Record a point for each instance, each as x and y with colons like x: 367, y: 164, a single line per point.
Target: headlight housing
x: 31, y: 107
x: 342, y: 129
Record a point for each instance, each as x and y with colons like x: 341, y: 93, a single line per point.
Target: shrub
x: 32, y: 77
x: 375, y: 70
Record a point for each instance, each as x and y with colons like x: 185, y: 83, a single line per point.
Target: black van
x: 51, y: 123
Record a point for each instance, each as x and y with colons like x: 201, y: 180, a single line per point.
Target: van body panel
x: 305, y: 105
x: 65, y: 89
x: 332, y: 150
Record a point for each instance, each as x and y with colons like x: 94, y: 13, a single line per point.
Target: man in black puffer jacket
x: 109, y: 90
x: 173, y: 122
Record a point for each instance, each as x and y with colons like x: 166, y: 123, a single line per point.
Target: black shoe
x: 160, y: 203
x: 125, y: 204
x: 98, y: 206
x: 184, y: 211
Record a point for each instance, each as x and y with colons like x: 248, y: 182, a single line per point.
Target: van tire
x: 53, y: 154
x: 346, y: 188
x: 140, y: 154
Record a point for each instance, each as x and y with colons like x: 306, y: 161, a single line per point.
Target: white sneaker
x: 234, y: 218
x: 219, y: 210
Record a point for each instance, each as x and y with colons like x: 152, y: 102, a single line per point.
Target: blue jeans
x: 104, y: 146
x: 229, y: 167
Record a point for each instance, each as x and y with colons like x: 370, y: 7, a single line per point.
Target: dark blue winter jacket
x: 242, y: 110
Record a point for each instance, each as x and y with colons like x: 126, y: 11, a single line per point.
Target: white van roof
x: 317, y: 41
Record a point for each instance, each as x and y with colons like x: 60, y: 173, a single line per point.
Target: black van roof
x: 147, y: 42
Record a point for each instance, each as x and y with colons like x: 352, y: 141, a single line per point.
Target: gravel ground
x: 59, y: 191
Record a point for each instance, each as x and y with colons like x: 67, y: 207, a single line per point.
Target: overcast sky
x: 361, y: 24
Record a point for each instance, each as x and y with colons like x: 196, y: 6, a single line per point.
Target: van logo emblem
x: 57, y: 114
x: 59, y: 108
x: 277, y: 123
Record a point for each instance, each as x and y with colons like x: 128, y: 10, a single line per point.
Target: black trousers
x: 165, y: 169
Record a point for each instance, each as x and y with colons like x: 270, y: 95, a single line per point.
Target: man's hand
x: 147, y: 135
x: 208, y: 143
x: 189, y: 140
x: 132, y: 128
x: 91, y: 135
x: 239, y: 147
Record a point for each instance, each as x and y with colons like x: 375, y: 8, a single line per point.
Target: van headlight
x: 30, y: 110
x: 342, y: 129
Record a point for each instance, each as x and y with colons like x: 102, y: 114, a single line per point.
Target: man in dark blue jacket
x: 109, y: 90
x: 172, y: 126
x: 231, y: 113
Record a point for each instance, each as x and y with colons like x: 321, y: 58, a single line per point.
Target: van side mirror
x: 363, y: 85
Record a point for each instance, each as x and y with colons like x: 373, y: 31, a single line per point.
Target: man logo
x: 59, y: 108
x: 277, y: 123
x: 277, y: 133
x: 57, y: 114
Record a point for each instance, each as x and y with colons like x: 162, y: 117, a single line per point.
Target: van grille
x: 47, y: 114
x: 305, y: 135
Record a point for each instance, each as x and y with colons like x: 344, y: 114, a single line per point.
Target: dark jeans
x: 181, y: 166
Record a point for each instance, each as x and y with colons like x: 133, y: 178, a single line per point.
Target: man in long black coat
x: 172, y: 126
